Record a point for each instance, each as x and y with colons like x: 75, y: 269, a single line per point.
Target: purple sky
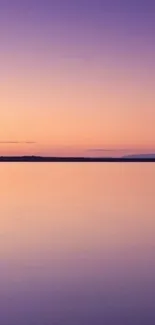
x: 77, y: 75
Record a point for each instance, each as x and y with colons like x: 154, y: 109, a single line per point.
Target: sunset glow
x: 77, y: 78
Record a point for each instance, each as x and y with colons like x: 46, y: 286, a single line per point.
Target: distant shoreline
x: 72, y: 159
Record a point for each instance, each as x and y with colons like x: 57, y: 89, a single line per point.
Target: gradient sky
x: 77, y: 76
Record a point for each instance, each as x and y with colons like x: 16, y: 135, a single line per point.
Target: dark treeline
x: 72, y: 159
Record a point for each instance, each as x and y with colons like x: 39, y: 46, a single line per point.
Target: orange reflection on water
x: 76, y: 206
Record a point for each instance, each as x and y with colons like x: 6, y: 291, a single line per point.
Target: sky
x: 77, y: 77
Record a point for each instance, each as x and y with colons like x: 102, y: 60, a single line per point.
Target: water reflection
x: 77, y: 244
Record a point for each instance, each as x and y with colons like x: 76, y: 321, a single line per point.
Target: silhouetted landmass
x: 141, y: 158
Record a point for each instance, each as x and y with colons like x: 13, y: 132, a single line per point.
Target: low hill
x: 141, y: 156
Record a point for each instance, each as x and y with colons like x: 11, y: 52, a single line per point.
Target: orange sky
x: 72, y: 94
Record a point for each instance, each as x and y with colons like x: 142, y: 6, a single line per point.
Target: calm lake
x: 77, y: 244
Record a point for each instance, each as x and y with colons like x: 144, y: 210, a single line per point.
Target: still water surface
x: 77, y: 244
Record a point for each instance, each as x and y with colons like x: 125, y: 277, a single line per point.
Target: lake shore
x: 72, y: 159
